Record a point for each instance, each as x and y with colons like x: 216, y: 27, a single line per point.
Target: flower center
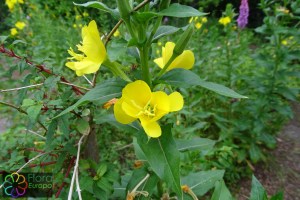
x: 149, y: 110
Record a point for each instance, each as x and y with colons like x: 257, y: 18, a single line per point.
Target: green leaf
x: 116, y: 69
x: 3, y: 38
x: 28, y: 102
x: 138, y: 175
x: 143, y: 17
x: 255, y: 153
x: 101, y: 6
x: 178, y: 10
x: 51, y: 131
x: 278, y: 196
x: 82, y: 126
x: 101, y: 93
x: 163, y: 157
x: 33, y: 112
x: 187, y: 78
x: 221, y: 192
x: 257, y: 190
x: 194, y: 144
x: 163, y: 31
x: 202, y: 181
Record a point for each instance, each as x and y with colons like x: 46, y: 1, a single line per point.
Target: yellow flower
x: 13, y: 31
x: 85, y: 14
x: 198, y: 25
x: 11, y: 3
x: 204, y: 20
x: 224, y: 20
x: 138, y: 102
x: 117, y: 33
x: 185, y: 60
x: 94, y: 52
x: 284, y: 42
x: 20, y: 25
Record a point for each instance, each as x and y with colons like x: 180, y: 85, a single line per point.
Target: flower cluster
x: 199, y: 21
x: 11, y: 3
x: 137, y: 102
x: 224, y: 20
x: 93, y: 50
x: 19, y: 25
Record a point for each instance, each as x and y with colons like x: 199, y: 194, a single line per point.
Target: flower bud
x: 183, y: 40
x: 124, y: 9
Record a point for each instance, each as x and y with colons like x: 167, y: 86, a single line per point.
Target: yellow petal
x: 120, y: 115
x: 152, y: 129
x: 92, y: 46
x: 131, y: 109
x: 160, y: 101
x: 176, y: 101
x: 137, y: 93
x: 159, y: 62
x: 185, y: 60
x: 167, y: 51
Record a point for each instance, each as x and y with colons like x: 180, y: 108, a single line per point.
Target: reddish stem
x: 42, y: 68
x: 42, y: 164
x: 66, y: 176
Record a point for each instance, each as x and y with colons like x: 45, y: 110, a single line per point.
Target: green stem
x: 144, y: 51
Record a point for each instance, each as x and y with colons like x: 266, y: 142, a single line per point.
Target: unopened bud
x: 124, y: 9
x: 183, y: 40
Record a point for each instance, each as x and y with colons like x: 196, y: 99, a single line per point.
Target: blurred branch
x: 20, y: 88
x: 21, y: 111
x: 66, y: 176
x: 41, y: 68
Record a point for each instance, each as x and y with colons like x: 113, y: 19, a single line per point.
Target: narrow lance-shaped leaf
x: 258, y: 192
x: 178, y: 10
x: 187, y: 78
x: 101, y: 93
x: 221, y: 192
x: 202, y: 181
x: 100, y: 6
x: 195, y: 144
x: 163, y: 157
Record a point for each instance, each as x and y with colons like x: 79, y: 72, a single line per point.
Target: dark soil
x: 282, y: 173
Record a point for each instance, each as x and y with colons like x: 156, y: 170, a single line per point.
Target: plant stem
x: 144, y: 51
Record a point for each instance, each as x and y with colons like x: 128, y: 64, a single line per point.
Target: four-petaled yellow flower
x: 93, y: 49
x: 13, y: 31
x: 138, y: 102
x: 20, y: 25
x: 185, y: 60
x: 11, y: 3
x: 224, y: 20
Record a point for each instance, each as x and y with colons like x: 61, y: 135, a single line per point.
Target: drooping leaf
x: 202, y: 181
x: 187, y: 78
x: 258, y: 192
x: 194, y: 144
x: 101, y: 93
x: 101, y: 6
x: 221, y: 192
x: 163, y: 157
x: 178, y: 10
